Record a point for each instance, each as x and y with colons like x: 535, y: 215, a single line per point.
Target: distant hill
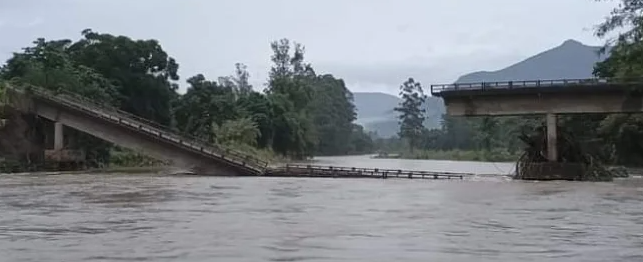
x: 571, y: 59
x: 374, y: 105
x: 375, y: 112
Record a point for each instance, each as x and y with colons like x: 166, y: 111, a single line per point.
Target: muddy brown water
x: 150, y: 217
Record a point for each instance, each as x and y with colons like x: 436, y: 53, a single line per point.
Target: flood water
x: 118, y: 217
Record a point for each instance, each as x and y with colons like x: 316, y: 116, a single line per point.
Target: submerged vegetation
x: 573, y: 155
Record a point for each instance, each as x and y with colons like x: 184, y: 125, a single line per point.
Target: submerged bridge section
x: 359, y: 172
x: 133, y: 132
x: 150, y: 138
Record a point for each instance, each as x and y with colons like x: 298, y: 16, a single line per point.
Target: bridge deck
x: 565, y: 96
x: 162, y: 133
x: 356, y: 172
x: 532, y: 86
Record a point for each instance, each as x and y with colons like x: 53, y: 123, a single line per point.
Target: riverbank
x: 455, y: 155
x: 482, y: 170
x: 125, y: 161
x: 106, y: 170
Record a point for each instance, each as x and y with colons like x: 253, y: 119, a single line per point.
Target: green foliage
x: 48, y: 64
x: 493, y: 155
x: 606, y: 138
x: 290, y: 91
x: 411, y: 112
x: 300, y: 114
x: 360, y: 141
x: 259, y: 108
x: 239, y: 131
x: 313, y: 114
x: 121, y: 157
x: 140, y: 69
x: 622, y: 132
x: 333, y: 114
x: 3, y: 102
x: 204, y: 105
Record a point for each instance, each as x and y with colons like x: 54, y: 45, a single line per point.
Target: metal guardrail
x: 151, y: 127
x: 480, y: 86
x: 380, y: 172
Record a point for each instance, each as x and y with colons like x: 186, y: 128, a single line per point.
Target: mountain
x: 570, y: 60
x: 375, y: 112
x: 373, y: 106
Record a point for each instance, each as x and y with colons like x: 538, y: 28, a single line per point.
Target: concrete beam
x: 535, y: 103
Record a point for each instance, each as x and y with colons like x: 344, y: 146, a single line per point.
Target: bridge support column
x: 552, y: 148
x: 58, y: 136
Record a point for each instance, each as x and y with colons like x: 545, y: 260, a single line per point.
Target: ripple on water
x: 146, y: 218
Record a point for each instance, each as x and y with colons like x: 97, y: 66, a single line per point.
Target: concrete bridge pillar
x: 552, y: 148
x: 58, y: 136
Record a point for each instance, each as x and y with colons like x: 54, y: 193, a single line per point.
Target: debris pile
x: 570, y: 150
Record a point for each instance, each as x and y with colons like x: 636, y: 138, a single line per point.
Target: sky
x: 374, y: 45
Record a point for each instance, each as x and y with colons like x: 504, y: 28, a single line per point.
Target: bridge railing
x: 480, y: 86
x: 372, y: 170
x: 148, y: 126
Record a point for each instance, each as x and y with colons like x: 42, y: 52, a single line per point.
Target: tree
x: 333, y: 114
x: 241, y: 131
x: 239, y: 82
x: 48, y: 64
x: 205, y: 104
x: 140, y: 69
x: 622, y: 131
x: 258, y: 107
x: 411, y: 112
x: 241, y: 79
x: 361, y: 142
x: 290, y: 92
x: 301, y: 113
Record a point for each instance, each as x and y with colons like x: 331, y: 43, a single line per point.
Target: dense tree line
x: 301, y: 113
x: 615, y: 138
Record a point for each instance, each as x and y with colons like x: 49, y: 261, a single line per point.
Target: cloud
x: 371, y: 44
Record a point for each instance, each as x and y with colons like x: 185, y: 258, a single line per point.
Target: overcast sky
x: 373, y: 44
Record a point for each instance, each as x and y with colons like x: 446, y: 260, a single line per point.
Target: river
x: 120, y: 217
